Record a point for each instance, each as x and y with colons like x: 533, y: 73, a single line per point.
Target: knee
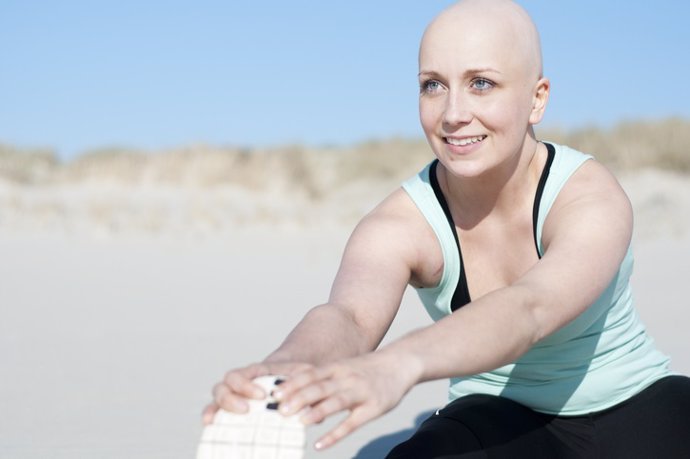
x: 437, y: 437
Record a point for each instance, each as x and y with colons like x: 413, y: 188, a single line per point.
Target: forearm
x: 326, y: 333
x: 485, y: 334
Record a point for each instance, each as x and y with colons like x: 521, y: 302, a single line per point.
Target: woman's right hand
x: 237, y: 386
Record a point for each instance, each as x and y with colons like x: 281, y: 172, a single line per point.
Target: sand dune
x: 204, y: 189
x: 659, y: 197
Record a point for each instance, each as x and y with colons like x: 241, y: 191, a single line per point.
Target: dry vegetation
x: 313, y: 171
x: 633, y: 145
x: 215, y: 188
x: 627, y: 146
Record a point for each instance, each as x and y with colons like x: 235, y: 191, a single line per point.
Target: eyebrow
x: 466, y: 73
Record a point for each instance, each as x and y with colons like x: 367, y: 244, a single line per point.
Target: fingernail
x: 277, y: 394
x: 318, y: 445
x: 284, y: 408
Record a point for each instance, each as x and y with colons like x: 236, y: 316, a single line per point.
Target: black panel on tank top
x: 461, y: 295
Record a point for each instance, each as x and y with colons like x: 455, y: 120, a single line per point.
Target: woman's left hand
x: 367, y: 386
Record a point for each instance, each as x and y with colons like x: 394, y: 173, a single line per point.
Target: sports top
x: 598, y: 360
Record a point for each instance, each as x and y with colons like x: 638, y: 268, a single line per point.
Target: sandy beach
x: 121, y: 307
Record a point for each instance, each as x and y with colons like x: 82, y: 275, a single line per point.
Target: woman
x: 520, y: 253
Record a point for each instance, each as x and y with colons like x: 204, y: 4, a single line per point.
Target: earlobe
x: 539, y: 100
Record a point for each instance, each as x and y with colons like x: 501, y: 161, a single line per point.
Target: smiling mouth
x: 464, y: 141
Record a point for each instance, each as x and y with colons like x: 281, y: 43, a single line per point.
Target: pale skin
x: 481, y: 84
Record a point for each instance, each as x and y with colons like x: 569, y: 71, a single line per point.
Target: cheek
x: 507, y: 116
x: 497, y: 117
x: 427, y: 115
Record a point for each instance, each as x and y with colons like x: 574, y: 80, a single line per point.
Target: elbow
x: 547, y: 312
x: 342, y: 323
x: 536, y: 323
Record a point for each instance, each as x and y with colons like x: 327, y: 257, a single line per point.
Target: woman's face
x: 478, y: 92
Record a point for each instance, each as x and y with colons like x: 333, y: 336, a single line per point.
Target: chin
x: 463, y: 167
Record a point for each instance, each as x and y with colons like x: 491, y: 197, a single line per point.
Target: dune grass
x: 314, y: 171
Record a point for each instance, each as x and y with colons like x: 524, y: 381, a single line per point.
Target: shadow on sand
x: 379, y: 447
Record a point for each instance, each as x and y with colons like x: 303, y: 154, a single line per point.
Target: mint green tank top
x: 598, y: 360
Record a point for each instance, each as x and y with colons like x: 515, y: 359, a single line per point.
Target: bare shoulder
x: 398, y: 207
x: 592, y: 179
x: 590, y: 202
x: 397, y: 230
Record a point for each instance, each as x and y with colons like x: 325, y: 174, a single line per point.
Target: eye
x: 482, y: 84
x: 429, y: 87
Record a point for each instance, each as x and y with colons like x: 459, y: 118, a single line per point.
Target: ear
x: 539, y: 99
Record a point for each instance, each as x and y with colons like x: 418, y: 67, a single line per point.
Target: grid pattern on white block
x: 262, y: 433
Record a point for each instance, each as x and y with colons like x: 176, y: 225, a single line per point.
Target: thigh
x: 483, y: 426
x: 654, y: 423
x: 439, y: 437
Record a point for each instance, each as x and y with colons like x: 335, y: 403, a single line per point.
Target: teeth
x: 465, y: 141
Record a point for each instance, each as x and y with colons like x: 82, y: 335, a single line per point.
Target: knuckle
x: 230, y: 377
x: 323, y: 387
x: 317, y: 414
x: 256, y: 369
x: 226, y: 399
x: 219, y: 389
x: 340, y: 400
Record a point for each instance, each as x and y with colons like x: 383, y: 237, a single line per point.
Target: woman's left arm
x: 586, y: 236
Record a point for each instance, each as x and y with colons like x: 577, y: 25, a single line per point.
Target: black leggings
x: 653, y: 424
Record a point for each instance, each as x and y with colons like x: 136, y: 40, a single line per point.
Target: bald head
x: 480, y: 75
x: 491, y: 29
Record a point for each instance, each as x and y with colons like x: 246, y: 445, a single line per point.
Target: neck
x: 499, y: 191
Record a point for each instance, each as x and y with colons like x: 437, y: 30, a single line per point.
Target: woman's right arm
x: 376, y: 267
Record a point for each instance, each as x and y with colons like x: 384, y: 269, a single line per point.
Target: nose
x: 457, y: 111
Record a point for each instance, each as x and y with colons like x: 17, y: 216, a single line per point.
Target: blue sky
x: 77, y: 75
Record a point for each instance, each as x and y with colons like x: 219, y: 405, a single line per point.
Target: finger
x: 356, y: 419
x: 300, y: 379
x: 226, y: 399
x: 312, y: 394
x: 208, y: 413
x: 241, y: 381
x: 335, y: 403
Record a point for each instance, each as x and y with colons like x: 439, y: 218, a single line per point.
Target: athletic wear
x: 598, y: 360
x: 652, y: 424
x: 596, y: 388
